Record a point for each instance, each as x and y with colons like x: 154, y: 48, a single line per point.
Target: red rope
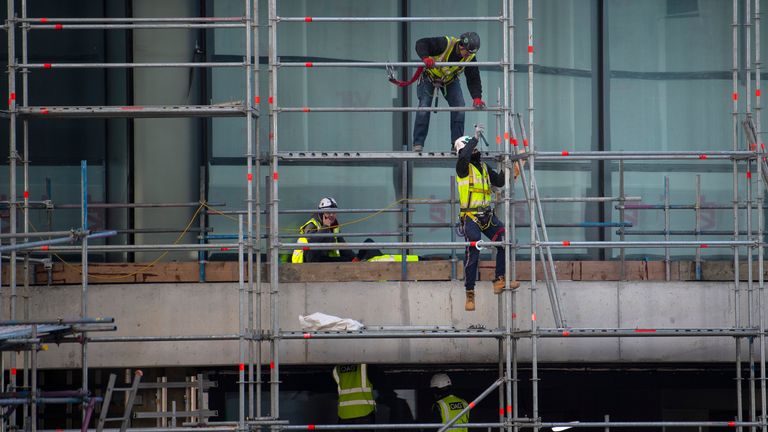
x: 413, y: 79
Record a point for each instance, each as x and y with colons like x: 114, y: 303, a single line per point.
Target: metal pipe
x: 135, y: 205
x: 385, y: 426
x: 44, y: 244
x: 532, y: 216
x: 104, y: 339
x: 84, y: 278
x: 564, y: 244
x: 735, y: 170
x: 697, y: 226
x: 622, y: 216
x: 12, y: 186
x: 471, y: 405
x: 511, y: 408
x: 382, y: 64
x: 682, y: 154
x: 257, y: 224
x: 379, y: 109
x: 274, y: 279
x: 667, y: 264
x: 760, y: 220
x: 100, y: 320
x: 157, y: 247
x: 390, y: 19
x: 131, y: 65
x: 424, y: 334
x: 170, y: 25
x: 240, y: 316
x: 252, y: 80
x: 129, y: 19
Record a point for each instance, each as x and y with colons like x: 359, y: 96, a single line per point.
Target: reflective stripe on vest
x: 446, y: 74
x: 355, y: 391
x: 393, y: 258
x: 450, y: 407
x: 474, y: 190
x: 298, y: 254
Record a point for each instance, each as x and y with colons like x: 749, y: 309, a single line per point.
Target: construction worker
x: 474, y: 180
x: 446, y: 80
x: 322, y: 222
x: 375, y: 255
x: 356, y: 403
x: 447, y: 406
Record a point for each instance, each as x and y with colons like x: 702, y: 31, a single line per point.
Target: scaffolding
x: 253, y: 337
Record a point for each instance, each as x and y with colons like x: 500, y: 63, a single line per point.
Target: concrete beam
x: 190, y: 309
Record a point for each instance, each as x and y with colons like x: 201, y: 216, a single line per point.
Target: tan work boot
x: 498, y: 285
x: 469, y: 305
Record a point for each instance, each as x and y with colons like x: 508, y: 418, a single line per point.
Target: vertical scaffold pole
x: 760, y: 218
x: 256, y: 239
x: 750, y: 251
x: 697, y: 225
x: 667, y: 260
x: 12, y: 156
x: 734, y: 169
x: 240, y: 322
x: 509, y: 184
x: 274, y: 222
x: 25, y: 163
x: 251, y: 89
x: 509, y: 211
x: 532, y: 217
x: 84, y: 275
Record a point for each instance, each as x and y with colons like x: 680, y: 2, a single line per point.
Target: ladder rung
x: 125, y: 389
x: 114, y: 419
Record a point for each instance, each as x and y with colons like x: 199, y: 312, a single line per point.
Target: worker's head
x: 462, y: 142
x: 440, y: 384
x: 328, y: 217
x: 469, y: 43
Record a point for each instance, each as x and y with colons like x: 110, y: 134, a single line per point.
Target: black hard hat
x: 470, y: 41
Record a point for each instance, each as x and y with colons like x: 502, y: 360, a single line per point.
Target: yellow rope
x: 79, y: 268
x: 202, y: 205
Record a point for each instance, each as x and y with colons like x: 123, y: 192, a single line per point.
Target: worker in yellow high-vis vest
x: 474, y: 180
x: 322, y: 222
x: 447, y: 406
x: 356, y: 403
x: 446, y: 80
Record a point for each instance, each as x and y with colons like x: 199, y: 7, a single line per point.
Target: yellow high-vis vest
x: 446, y: 74
x: 450, y: 406
x: 355, y: 391
x: 474, y: 190
x: 298, y: 254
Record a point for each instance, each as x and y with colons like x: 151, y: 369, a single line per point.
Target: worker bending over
x: 445, y: 79
x: 356, y: 403
x: 474, y: 180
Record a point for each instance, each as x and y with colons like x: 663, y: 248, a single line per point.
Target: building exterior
x: 192, y: 138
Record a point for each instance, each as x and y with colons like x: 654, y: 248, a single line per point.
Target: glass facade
x: 616, y: 75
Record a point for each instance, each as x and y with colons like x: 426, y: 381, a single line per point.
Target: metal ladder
x: 545, y: 253
x: 130, y: 396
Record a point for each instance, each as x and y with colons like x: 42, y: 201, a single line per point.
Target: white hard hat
x: 327, y: 202
x: 440, y: 380
x: 461, y: 142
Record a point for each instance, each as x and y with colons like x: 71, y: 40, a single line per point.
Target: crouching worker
x: 474, y: 180
x: 322, y: 222
x: 375, y: 255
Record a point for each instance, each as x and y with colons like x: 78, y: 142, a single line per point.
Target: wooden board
x: 189, y: 272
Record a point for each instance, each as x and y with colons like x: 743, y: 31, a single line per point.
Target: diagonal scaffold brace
x: 548, y: 263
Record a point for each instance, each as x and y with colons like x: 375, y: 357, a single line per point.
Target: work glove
x: 429, y: 62
x: 479, y: 130
x: 478, y: 103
